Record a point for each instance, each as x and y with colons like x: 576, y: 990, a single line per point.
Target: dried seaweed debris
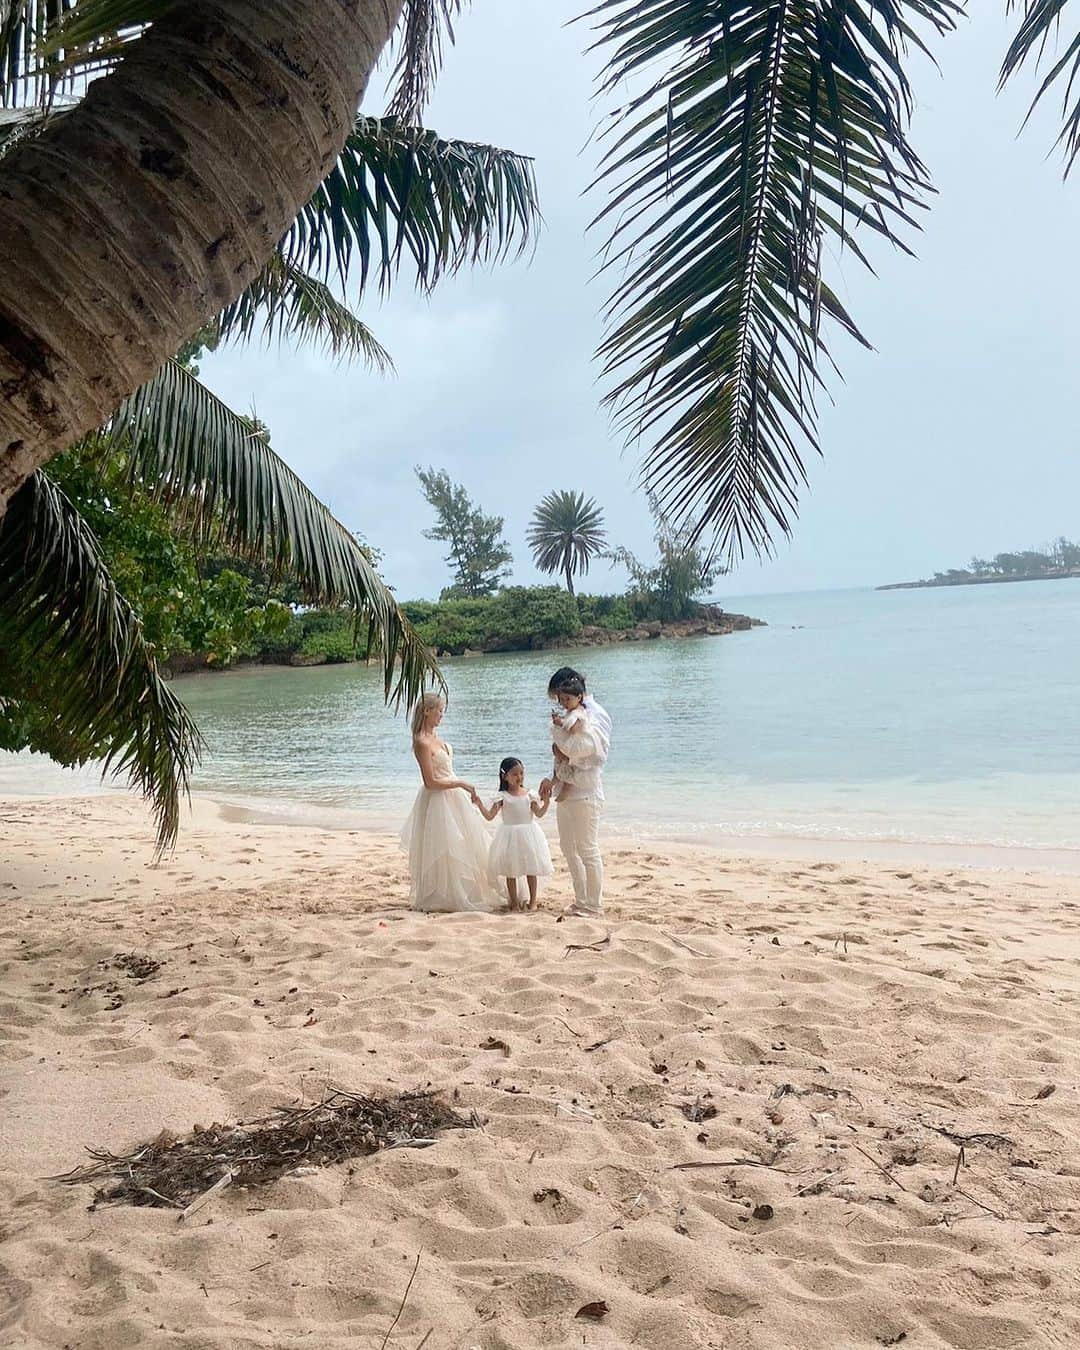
x: 172, y: 1172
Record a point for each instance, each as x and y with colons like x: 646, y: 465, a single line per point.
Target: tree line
x: 566, y: 535
x: 1057, y: 559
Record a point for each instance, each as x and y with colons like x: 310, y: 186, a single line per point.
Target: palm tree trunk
x: 134, y: 218
x: 569, y: 579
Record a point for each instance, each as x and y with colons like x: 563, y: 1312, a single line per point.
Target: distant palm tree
x: 566, y: 534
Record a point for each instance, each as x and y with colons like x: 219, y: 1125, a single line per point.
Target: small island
x: 1058, y: 562
x: 240, y: 613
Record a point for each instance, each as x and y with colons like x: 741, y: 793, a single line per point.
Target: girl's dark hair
x: 567, y: 680
x: 504, y: 768
x: 571, y: 684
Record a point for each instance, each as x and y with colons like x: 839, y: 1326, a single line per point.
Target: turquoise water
x: 938, y: 716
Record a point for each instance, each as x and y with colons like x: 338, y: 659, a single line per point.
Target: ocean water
x: 944, y: 717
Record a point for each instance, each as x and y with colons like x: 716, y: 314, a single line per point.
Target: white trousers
x: 579, y: 838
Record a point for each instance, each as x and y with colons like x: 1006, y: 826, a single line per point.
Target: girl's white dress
x: 447, y: 843
x: 520, y: 848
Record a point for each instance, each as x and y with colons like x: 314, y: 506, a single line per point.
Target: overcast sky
x: 956, y: 436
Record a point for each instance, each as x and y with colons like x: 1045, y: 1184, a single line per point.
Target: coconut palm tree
x: 129, y: 222
x: 566, y: 534
x: 72, y: 647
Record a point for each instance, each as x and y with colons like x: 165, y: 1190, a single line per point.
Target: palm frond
x: 71, y: 647
x: 285, y: 301
x: 399, y: 191
x: 1037, y: 36
x: 217, y: 473
x: 423, y: 27
x: 771, y: 126
x: 24, y: 78
x: 51, y: 45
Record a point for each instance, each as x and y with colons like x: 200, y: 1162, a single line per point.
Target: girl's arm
x: 423, y: 754
x: 540, y: 808
x: 489, y: 813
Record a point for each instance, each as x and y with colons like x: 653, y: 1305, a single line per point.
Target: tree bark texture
x: 132, y: 220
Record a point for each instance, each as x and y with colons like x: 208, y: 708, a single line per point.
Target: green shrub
x: 613, y: 612
x: 514, y: 619
x: 333, y: 645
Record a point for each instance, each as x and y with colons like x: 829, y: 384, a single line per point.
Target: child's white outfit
x: 520, y: 848
x: 573, y: 734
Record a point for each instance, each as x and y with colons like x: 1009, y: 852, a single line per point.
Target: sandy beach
x: 817, y: 1039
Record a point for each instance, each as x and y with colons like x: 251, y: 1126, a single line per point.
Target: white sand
x: 838, y: 1018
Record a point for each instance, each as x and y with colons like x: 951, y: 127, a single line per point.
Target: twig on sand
x: 960, y: 1160
x: 401, y: 1306
x: 987, y: 1138
x: 200, y: 1200
x: 684, y: 945
x: 149, y: 1190
x: 880, y: 1167
x: 427, y: 1337
x: 599, y: 946
x: 728, y: 1162
x: 569, y: 1028
x: 611, y: 1228
x: 985, y: 1208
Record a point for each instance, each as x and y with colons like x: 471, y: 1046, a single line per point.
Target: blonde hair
x: 424, y: 705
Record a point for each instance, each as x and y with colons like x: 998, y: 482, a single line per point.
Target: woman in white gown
x: 446, y: 843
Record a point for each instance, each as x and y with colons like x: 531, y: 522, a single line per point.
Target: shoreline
x: 296, y: 815
x: 713, y: 621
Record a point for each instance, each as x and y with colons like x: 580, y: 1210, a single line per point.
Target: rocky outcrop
x: 713, y: 624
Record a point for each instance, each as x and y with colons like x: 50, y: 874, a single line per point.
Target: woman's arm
x: 488, y: 814
x: 423, y: 753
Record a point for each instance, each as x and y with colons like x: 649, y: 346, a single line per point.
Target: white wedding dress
x: 447, y: 844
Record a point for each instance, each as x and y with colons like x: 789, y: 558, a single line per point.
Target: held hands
x: 545, y: 790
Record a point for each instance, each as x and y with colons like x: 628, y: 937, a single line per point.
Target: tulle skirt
x: 447, y: 845
x: 519, y: 851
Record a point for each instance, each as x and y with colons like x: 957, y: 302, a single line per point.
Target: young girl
x: 519, y: 849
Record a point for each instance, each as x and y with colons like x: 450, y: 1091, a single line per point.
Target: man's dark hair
x: 566, y: 680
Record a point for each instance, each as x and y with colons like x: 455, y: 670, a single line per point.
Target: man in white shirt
x: 577, y: 784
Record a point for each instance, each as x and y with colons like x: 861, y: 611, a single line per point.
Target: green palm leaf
x: 400, y: 191
x: 566, y: 533
x: 50, y: 45
x: 284, y: 300
x: 217, y: 473
x: 71, y: 649
x: 1038, y: 33
x: 771, y: 126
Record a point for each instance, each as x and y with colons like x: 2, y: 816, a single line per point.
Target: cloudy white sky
x: 957, y: 435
